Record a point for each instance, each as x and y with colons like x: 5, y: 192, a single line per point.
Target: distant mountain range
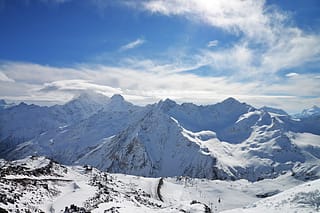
x: 227, y: 140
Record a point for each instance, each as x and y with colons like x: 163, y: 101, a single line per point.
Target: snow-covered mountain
x: 37, y: 184
x: 227, y: 140
x: 313, y: 111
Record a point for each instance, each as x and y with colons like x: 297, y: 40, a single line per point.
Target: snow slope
x: 302, y: 198
x: 38, y: 184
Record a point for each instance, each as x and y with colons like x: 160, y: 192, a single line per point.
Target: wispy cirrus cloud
x: 213, y: 43
x: 4, y: 77
x: 75, y: 85
x: 248, y: 17
x: 292, y: 74
x: 263, y: 31
x: 133, y: 44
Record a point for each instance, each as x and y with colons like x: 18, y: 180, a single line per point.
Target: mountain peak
x: 231, y: 101
x: 118, y: 103
x: 168, y: 101
x: 117, y: 97
x: 166, y: 104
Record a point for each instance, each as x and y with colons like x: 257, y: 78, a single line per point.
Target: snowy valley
x: 109, y: 155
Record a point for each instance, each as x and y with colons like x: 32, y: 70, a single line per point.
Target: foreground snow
x: 40, y: 185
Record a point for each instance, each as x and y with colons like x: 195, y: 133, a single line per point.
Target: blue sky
x: 201, y: 51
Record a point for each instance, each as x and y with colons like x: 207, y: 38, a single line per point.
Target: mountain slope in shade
x: 228, y: 140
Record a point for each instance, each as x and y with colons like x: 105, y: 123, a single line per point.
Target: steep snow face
x: 154, y: 146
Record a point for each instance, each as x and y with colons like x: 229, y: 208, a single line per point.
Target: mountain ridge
x: 228, y: 140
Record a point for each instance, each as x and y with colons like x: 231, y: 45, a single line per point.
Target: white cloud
x: 293, y: 48
x: 234, y: 16
x: 133, y: 44
x: 141, y: 86
x: 264, y: 31
x: 292, y: 74
x: 299, y: 85
x: 176, y: 65
x: 79, y: 85
x: 4, y: 77
x: 213, y: 43
x: 235, y: 62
